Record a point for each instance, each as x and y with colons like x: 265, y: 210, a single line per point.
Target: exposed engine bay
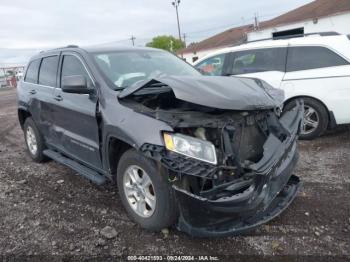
x: 250, y: 146
x: 238, y: 136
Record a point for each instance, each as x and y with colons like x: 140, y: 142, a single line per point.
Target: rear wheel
x: 34, y: 141
x: 145, y: 192
x: 315, y: 118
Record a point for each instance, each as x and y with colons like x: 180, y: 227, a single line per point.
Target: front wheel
x: 145, y: 192
x: 315, y: 120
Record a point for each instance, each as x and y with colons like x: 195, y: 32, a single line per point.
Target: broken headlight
x: 191, y: 147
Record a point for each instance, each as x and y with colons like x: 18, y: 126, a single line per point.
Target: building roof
x: 315, y: 9
x: 229, y: 37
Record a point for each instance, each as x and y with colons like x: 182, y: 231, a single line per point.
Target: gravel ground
x: 46, y: 209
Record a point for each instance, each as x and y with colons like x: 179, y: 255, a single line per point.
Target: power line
x: 200, y: 33
x: 234, y: 24
x: 222, y: 27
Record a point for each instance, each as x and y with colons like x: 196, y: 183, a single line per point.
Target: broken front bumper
x: 272, y: 190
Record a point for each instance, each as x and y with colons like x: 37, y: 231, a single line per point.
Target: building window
x: 288, y: 33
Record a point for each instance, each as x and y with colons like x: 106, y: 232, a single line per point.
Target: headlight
x: 191, y: 147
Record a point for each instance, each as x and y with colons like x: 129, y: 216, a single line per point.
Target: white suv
x: 315, y: 67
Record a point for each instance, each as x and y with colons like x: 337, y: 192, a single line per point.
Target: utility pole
x: 176, y: 4
x: 133, y: 38
x: 256, y: 21
x: 184, y: 36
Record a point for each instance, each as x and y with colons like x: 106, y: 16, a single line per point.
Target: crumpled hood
x: 232, y: 93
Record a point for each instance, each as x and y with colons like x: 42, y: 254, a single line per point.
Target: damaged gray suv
x: 211, y: 155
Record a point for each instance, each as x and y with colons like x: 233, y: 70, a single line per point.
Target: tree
x: 165, y: 42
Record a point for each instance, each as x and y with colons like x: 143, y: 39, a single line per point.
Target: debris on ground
x: 109, y: 232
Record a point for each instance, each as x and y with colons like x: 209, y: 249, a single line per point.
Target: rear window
x: 32, y: 72
x: 259, y: 60
x: 48, y: 71
x: 312, y: 57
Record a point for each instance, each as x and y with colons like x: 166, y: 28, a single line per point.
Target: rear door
x: 267, y: 64
x: 39, y: 84
x: 319, y: 72
x: 75, y: 122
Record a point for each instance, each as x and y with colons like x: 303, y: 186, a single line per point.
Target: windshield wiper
x: 149, y: 86
x: 119, y: 88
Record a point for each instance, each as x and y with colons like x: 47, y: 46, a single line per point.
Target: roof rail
x: 72, y: 46
x: 330, y: 33
x: 68, y: 46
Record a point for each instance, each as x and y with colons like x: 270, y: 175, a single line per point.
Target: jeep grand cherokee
x: 209, y: 154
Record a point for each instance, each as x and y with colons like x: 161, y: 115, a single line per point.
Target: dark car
x: 209, y: 154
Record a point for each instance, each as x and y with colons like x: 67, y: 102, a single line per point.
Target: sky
x: 30, y: 26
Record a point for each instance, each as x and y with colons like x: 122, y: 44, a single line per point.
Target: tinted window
x: 73, y: 66
x: 48, y: 71
x: 311, y: 57
x: 212, y: 66
x: 32, y: 72
x: 259, y: 60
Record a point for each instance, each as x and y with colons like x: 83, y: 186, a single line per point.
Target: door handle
x: 58, y: 98
x: 32, y: 92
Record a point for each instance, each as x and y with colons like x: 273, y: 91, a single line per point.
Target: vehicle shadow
x: 337, y: 131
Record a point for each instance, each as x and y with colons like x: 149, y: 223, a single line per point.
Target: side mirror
x: 76, y: 84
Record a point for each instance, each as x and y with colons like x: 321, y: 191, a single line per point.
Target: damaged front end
x: 249, y: 183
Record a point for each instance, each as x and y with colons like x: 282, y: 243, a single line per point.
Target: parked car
x: 315, y: 67
x: 184, y: 149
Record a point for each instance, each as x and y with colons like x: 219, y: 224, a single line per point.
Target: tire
x: 165, y: 211
x: 319, y: 115
x: 31, y: 132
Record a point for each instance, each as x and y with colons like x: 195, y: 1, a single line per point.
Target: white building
x: 317, y: 16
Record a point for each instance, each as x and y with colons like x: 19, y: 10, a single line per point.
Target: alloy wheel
x: 31, y: 141
x: 139, y: 191
x: 311, y: 120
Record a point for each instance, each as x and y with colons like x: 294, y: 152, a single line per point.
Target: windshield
x: 124, y: 68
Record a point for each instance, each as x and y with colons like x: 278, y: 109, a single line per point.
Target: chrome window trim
x: 63, y: 54
x: 41, y: 58
x: 37, y: 84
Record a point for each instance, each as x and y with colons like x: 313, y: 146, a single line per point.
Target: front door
x: 75, y: 124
